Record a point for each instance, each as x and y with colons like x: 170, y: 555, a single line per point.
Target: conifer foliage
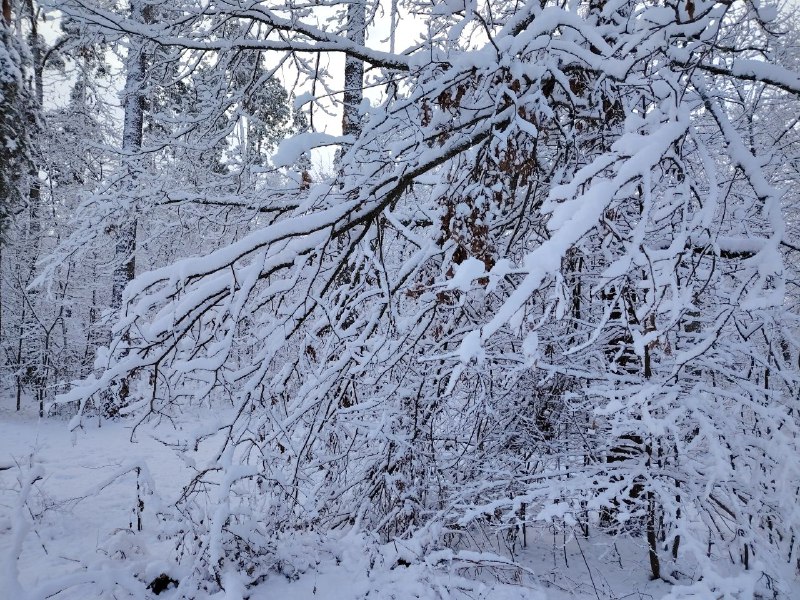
x: 17, y: 120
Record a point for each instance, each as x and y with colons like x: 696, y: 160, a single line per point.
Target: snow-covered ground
x: 82, y: 516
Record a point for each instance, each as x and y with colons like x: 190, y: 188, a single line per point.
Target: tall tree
x: 354, y: 69
x: 16, y: 105
x: 133, y: 109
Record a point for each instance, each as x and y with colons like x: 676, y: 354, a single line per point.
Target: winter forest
x: 355, y: 299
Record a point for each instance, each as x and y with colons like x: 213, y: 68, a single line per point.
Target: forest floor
x: 77, y: 518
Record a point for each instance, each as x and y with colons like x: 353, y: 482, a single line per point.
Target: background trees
x: 98, y: 177
x: 545, y: 286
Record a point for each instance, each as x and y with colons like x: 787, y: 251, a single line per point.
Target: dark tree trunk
x: 354, y: 71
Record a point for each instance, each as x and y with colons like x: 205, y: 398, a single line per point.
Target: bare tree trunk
x: 354, y: 70
x: 35, y: 203
x: 18, y: 365
x: 36, y: 52
x: 652, y: 538
x: 133, y: 105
